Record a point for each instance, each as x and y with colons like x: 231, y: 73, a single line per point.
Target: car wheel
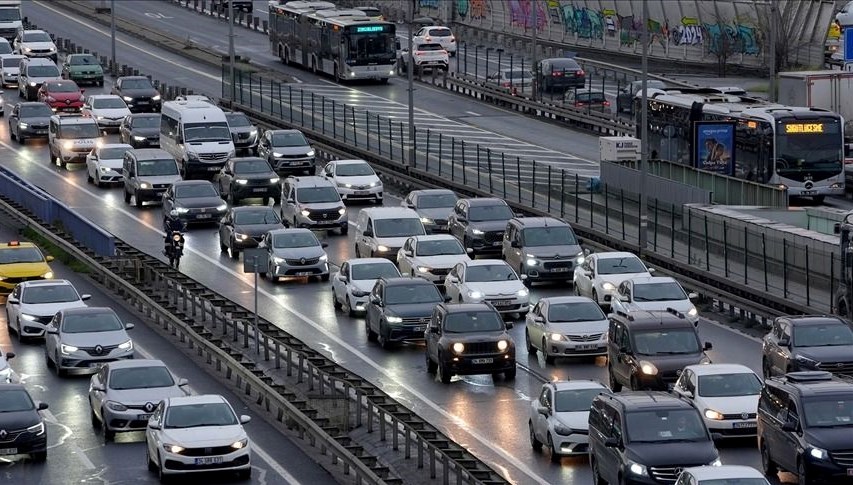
x: 802, y: 476
x: 324, y: 277
x: 233, y: 252
x: 152, y: 467
x: 357, y: 252
x: 595, y: 297
x: 335, y: 303
x: 615, y: 386
x: 126, y: 197
x: 137, y: 201
x: 271, y: 273
x: 443, y: 374
x: 531, y: 349
x: 109, y: 435
x: 534, y: 441
x: 635, y: 383
x: 12, y: 132
x: 509, y: 375
x: 348, y: 308
x: 371, y: 335
x: 549, y: 359
x: 431, y: 366
x: 60, y: 372
x: 555, y: 457
x: 96, y: 181
x: 344, y: 229
x: 765, y: 367
x: 383, y: 340
x: 39, y: 457
x: 48, y: 363
x: 160, y: 474
x: 96, y: 423
x: 767, y: 466
x: 596, y: 475
x: 222, y: 246
x: 230, y: 198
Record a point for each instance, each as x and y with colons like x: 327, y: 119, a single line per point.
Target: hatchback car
x: 656, y: 293
x: 566, y: 326
x: 398, y: 310
x: 10, y: 68
x: 287, y: 151
x: 439, y: 35
x: 808, y: 342
x: 559, y: 417
x: 141, y: 130
x: 61, y: 95
x: 600, y: 274
x: 491, y: 281
x: 426, y: 55
x: 29, y: 120
x: 433, y: 205
x: 107, y: 109
x: 196, y: 201
x: 83, y: 68
x: 248, y: 178
x: 24, y: 428
x: 244, y: 227
x: 354, y: 179
x: 244, y: 133
x: 558, y: 74
x: 124, y: 394
x: 352, y: 284
x: 587, y: 99
x: 103, y: 164
x: 294, y: 252
x: 32, y: 305
x: 85, y: 338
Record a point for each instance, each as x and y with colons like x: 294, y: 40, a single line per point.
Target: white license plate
x: 745, y: 425
x: 850, y: 472
x: 262, y: 189
x: 487, y: 360
x: 501, y: 303
x: 304, y: 273
x: 8, y: 451
x: 361, y: 192
x: 143, y: 417
x: 295, y: 164
x: 808, y: 192
x: 142, y: 102
x: 562, y: 269
x: 420, y: 328
x: 497, y: 243
x: 204, y: 216
x: 208, y: 460
x: 585, y: 347
x: 41, y: 132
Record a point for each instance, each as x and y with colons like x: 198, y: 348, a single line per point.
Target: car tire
x: 555, y: 457
x: 39, y: 457
x: 635, y: 384
x: 357, y: 252
x: 335, y: 303
x: 160, y: 474
x: 431, y: 367
x: 534, y: 441
x: 271, y: 274
x: 596, y: 474
x: 767, y: 466
x: 245, y: 474
x: 47, y: 362
x: 383, y: 341
x: 12, y: 134
x: 615, y: 386
x: 152, y: 467
x: 549, y: 359
x: 371, y: 335
x: 443, y: 375
x: 60, y: 372
x: 324, y: 277
x: 348, y: 308
x: 137, y: 201
x: 109, y: 435
x: 345, y: 229
x: 765, y: 368
x: 509, y: 375
x: 803, y: 478
x: 126, y: 197
x: 233, y: 252
x: 96, y: 423
x: 531, y: 349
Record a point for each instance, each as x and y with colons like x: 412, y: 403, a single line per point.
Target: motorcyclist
x: 173, y: 224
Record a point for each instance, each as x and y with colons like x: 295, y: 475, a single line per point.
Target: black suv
x: 479, y: 224
x: 808, y: 342
x: 138, y: 93
x: 399, y: 309
x: 648, y: 350
x: 469, y: 339
x: 23, y: 427
x: 805, y: 425
x: 646, y: 438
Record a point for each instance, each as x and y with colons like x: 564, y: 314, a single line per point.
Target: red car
x: 61, y: 95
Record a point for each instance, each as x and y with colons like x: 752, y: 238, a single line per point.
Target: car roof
x: 32, y: 103
x: 390, y: 212
x: 716, y: 369
x: 562, y: 385
x: 145, y: 115
x: 614, y: 254
x: 467, y: 307
x: 831, y: 385
x: 480, y: 201
x: 349, y: 162
x: 39, y: 61
x: 21, y: 244
x: 434, y: 237
x: 485, y: 262
x: 115, y: 145
x: 556, y: 300
x: 129, y: 363
x: 59, y: 82
x: 10, y: 386
x: 31, y: 283
x: 310, y: 181
x: 646, y: 320
x: 284, y: 130
x: 247, y: 159
x: 133, y: 77
x: 291, y: 230
x: 723, y: 472
x: 105, y: 96
x: 650, y: 400
x: 192, y: 182
x: 643, y: 280
x: 197, y: 399
x: 405, y: 280
x: 436, y: 191
x: 251, y: 208
x: 87, y: 310
x: 74, y: 119
x: 151, y: 153
x: 357, y: 261
x: 540, y: 221
x: 803, y: 320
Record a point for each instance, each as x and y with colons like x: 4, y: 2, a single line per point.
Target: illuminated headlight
x: 324, y: 257
x: 23, y: 125
x: 29, y: 318
x: 393, y: 319
x: 238, y: 445
x: 426, y: 220
x: 52, y: 49
x: 478, y: 232
x: 352, y: 74
x: 531, y: 262
x: 48, y: 275
x: 818, y: 454
x: 253, y: 132
x: 138, y: 138
x: 277, y: 155
x: 475, y: 294
x: 458, y: 347
x: 310, y: 153
x: 359, y: 293
x: 99, y: 143
x: 556, y: 337
x: 836, y: 186
x: 242, y: 181
x: 28, y: 49
x: 638, y: 469
x: 423, y: 269
x: 156, y: 97
x: 127, y: 98
x: 67, y: 349
x: 716, y: 462
x: 390, y: 73
x: 715, y: 415
x: 99, y: 118
x: 693, y: 312
x: 37, y: 429
x: 126, y: 345
x: 522, y: 292
x: 648, y: 368
x: 240, y: 237
x: 374, y: 184
x: 68, y: 145
x: 104, y: 169
x: 608, y: 286
x: 144, y: 185
x: 277, y: 260
x: 382, y: 248
x: 580, y: 258
x: 342, y: 210
x: 349, y: 186
x: 222, y: 207
x: 305, y: 213
x: 176, y: 449
x: 6, y: 375
x: 32, y: 84
x: 116, y: 406
x: 705, y: 361
x: 182, y: 210
x: 274, y: 180
x: 503, y: 345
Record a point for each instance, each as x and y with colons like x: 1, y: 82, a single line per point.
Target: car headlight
x: 99, y: 118
x: 156, y: 97
x: 182, y: 210
x: 222, y: 207
x: 348, y: 186
x: 818, y: 453
x: 693, y: 312
x: 277, y: 155
x: 274, y: 180
x: 305, y: 213
x: 138, y: 138
x: 23, y: 125
x: 104, y: 169
x: 393, y: 319
x: 475, y: 294
x: 503, y: 345
x: 648, y: 368
x: 638, y: 469
x: 127, y: 98
x: 374, y: 184
x: 342, y: 210
x: 717, y: 462
x: 48, y: 275
x: 126, y: 345
x: 580, y: 258
x: 67, y: 349
x: 522, y: 292
x: 176, y: 449
x: 458, y: 347
x: 705, y: 360
x: 477, y: 232
x: 68, y: 145
x: 324, y: 257
x: 562, y: 429
x: 238, y: 445
x: 52, y: 48
x: 29, y: 318
x: 116, y: 406
x: 423, y: 269
x: 192, y: 156
x: 28, y: 49
x: 382, y: 248
x: 240, y: 237
x: 277, y: 260
x: 145, y: 185
x: 253, y: 132
x: 531, y: 262
x: 806, y: 362
x: 33, y: 84
x: 426, y: 220
x: 608, y: 286
x: 241, y: 181
x: 310, y: 153
x: 715, y: 415
x: 37, y: 429
x: 557, y: 337
x: 359, y: 293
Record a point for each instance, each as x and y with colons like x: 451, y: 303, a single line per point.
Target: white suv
x: 427, y: 56
x: 72, y: 138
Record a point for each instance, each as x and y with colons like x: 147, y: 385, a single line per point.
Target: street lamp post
x: 535, y: 84
x: 411, y: 74
x: 772, y: 51
x: 113, y: 35
x: 233, y: 90
x: 644, y: 130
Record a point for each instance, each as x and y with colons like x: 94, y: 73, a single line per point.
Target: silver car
x: 124, y: 394
x: 566, y: 326
x: 294, y: 252
x: 85, y: 338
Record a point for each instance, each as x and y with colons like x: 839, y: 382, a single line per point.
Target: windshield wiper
x: 673, y: 352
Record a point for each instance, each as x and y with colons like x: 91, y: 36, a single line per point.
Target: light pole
x: 411, y: 74
x: 535, y: 85
x: 113, y: 35
x: 644, y: 130
x: 772, y: 51
x: 233, y: 90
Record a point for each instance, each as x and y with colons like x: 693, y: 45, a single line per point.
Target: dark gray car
x: 479, y: 224
x: 288, y: 152
x: 195, y: 201
x: 244, y: 227
x: 399, y: 309
x: 244, y: 134
x: 137, y: 91
x: 141, y: 130
x: 433, y: 206
x: 29, y: 120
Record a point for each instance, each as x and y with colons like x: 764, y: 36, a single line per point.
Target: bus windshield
x: 370, y: 47
x: 812, y: 148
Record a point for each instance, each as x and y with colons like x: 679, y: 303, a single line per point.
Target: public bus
x: 801, y: 149
x: 345, y: 44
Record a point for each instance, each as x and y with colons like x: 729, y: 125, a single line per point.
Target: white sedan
x: 103, y: 164
x: 196, y: 434
x: 354, y: 179
x: 438, y: 35
x: 430, y: 257
x: 352, y: 284
x: 559, y: 417
x: 488, y: 280
x: 715, y: 475
x: 32, y: 305
x: 107, y: 109
x: 600, y: 275
x: 657, y: 293
x: 726, y: 394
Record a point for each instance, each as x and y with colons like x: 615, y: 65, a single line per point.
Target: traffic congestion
x: 598, y: 367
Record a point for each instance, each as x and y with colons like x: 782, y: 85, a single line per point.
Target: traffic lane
x: 75, y: 446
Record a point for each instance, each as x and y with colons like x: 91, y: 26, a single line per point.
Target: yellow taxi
x: 22, y: 261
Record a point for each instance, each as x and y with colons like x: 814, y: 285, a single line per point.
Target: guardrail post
x: 354, y: 124
x: 431, y: 461
x: 367, y: 127
x: 784, y: 268
x: 831, y: 282
x: 378, y: 134
x: 606, y: 209
x: 763, y: 255
x: 503, y: 172
x: 622, y: 214
x: 518, y: 176
x: 426, y: 158
x: 808, y: 279
x: 672, y: 232
x: 533, y: 185
x: 479, y: 170
x: 464, y: 175
x: 745, y: 255
x: 489, y: 162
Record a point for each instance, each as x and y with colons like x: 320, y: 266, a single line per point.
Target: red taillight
x: 428, y: 38
x: 579, y: 73
x: 557, y: 74
x: 579, y: 103
x: 506, y: 84
x: 606, y: 103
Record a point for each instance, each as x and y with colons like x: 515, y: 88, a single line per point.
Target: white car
x: 430, y: 257
x: 352, y: 284
x: 197, y: 434
x: 439, y: 35
x: 107, y: 109
x: 35, y: 43
x: 845, y: 15
x: 488, y: 280
x: 566, y: 326
x: 354, y: 179
x: 725, y: 394
x: 600, y: 274
x: 32, y: 305
x: 559, y: 417
x: 7, y: 375
x: 725, y: 474
x: 653, y: 294
x: 103, y: 164
x: 195, y: 97
x: 10, y: 69
x: 426, y: 56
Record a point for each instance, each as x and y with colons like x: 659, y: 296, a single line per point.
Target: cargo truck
x: 10, y: 18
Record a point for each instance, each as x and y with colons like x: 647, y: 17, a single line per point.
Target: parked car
x: 244, y: 227
x: 352, y: 284
x: 83, y: 68
x: 32, y: 305
x: 566, y: 326
x: 559, y: 417
x: 558, y: 74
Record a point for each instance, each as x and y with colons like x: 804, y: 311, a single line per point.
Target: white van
x: 197, y: 135
x: 381, y: 231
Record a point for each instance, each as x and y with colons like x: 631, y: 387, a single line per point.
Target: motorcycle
x: 175, y: 248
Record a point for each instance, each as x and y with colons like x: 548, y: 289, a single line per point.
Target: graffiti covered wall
x: 687, y: 30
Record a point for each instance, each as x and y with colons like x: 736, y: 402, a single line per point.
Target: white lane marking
x: 473, y: 113
x: 75, y: 450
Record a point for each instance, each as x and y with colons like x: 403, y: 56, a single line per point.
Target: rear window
x: 564, y: 65
x: 440, y: 32
x: 591, y: 97
x: 429, y: 47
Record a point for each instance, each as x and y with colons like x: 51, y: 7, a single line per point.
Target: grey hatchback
x: 294, y: 252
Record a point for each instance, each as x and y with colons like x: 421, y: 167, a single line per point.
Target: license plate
x: 745, y: 425
x: 850, y: 472
x: 142, y: 102
x: 295, y: 164
x: 212, y: 169
x: 204, y: 216
x: 420, y: 328
x: 808, y: 192
x: 143, y: 417
x: 41, y: 132
x: 560, y: 270
x: 14, y: 451
x: 304, y: 273
x: 487, y: 360
x: 261, y: 189
x: 208, y: 460
x: 361, y: 192
x: 585, y: 347
x: 497, y: 243
x: 501, y: 303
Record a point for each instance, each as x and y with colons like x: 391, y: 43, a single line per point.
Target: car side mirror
x: 10, y: 355
x: 129, y: 326
x: 367, y: 233
x: 52, y: 331
x: 407, y: 253
x: 623, y: 350
x: 435, y: 330
x: 509, y: 325
x: 12, y: 300
x: 99, y: 387
x: 707, y: 346
x: 342, y: 277
x: 624, y: 298
x: 48, y: 258
x: 469, y: 250
x: 153, y: 425
x: 453, y: 279
x: 587, y: 273
x: 693, y: 295
x: 291, y: 201
x: 245, y: 419
x: 82, y: 91
x: 784, y: 342
x: 543, y: 410
x: 183, y: 382
x: 539, y: 319
x: 85, y: 297
x: 515, y: 244
x: 448, y: 298
x: 611, y: 442
x: 41, y: 406
x: 789, y: 426
x: 376, y: 301
x: 651, y: 270
x: 324, y: 245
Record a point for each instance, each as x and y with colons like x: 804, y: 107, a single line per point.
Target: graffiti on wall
x: 428, y: 4
x: 733, y: 39
x: 472, y: 9
x: 521, y: 14
x: 688, y: 32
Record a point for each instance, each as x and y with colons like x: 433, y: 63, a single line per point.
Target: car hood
x: 617, y: 279
x: 296, y: 253
x: 732, y: 404
x: 489, y: 225
x: 826, y: 354
x: 669, y: 363
x: 440, y: 261
x: 672, y: 453
x: 12, y: 69
x: 318, y: 206
x: 394, y: 242
x: 23, y: 269
x: 142, y: 396
x: 242, y: 129
x: 363, y: 285
x: 204, y: 437
x: 492, y: 288
x: 145, y: 131
x: 159, y: 179
x: 37, y: 120
x: 91, y: 339
x: 574, y: 420
x: 38, y: 45
x: 556, y: 252
x: 257, y: 176
x: 358, y: 180
x: 300, y: 150
x: 85, y: 67
x: 111, y: 112
x: 199, y: 202
x: 49, y: 309
x: 830, y: 439
x: 255, y: 230
x: 436, y: 213
x: 477, y: 336
x: 578, y: 328
x: 680, y: 305
x: 138, y: 92
x: 412, y: 310
x: 75, y: 96
x: 40, y: 79
x: 13, y: 421
x: 113, y: 163
x: 209, y: 146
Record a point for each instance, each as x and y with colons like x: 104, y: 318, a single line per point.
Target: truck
x: 10, y: 18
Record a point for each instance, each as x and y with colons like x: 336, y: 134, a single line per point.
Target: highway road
x: 78, y: 454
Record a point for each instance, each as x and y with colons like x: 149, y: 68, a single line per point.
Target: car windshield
x: 436, y: 201
x: 195, y: 190
x: 36, y: 37
x: 822, y: 335
x: 152, y: 168
x: 317, y: 195
x: 354, y: 170
x: 83, y: 60
x: 295, y: 240
x: 12, y: 61
x: 39, y: 110
x: 91, y: 322
x: 411, y: 294
x: 575, y: 400
x: 516, y: 75
x: 665, y: 425
x: 549, y: 236
x: 62, y: 87
x: 497, y: 212
x: 237, y: 119
x: 145, y: 121
x: 198, y: 415
x: 398, y: 227
x: 292, y: 139
x: 20, y: 254
x: 137, y: 84
x: 626, y: 265
x: 665, y: 291
x: 49, y: 294
x: 252, y: 166
x: 140, y: 378
x: 15, y: 400
x: 113, y: 153
x: 829, y: 411
x: 374, y: 271
x: 108, y: 103
x: 10, y: 15
x: 444, y: 247
x: 201, y: 132
x: 79, y: 131
x: 667, y: 341
x: 261, y: 216
x: 581, y: 311
x: 43, y: 71
x: 473, y: 322
x: 489, y: 272
x: 729, y: 385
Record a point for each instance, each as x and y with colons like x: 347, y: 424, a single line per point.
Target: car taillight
x: 606, y: 103
x: 579, y: 73
x: 506, y: 84
x: 579, y: 103
x: 452, y: 39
